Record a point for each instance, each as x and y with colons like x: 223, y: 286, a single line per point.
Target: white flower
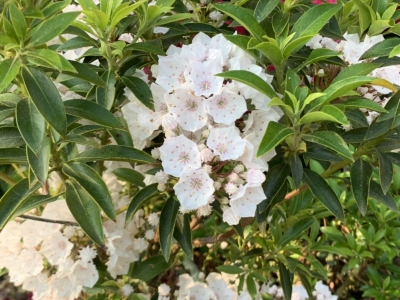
x: 203, y: 81
x: 218, y: 285
x: 187, y: 109
x: 155, y: 153
x: 194, y: 188
x: 226, y: 107
x: 229, y: 216
x: 164, y: 289
x: 179, y: 154
x: 204, y: 210
x: 254, y: 177
x: 149, y: 234
x: 206, y: 155
x: 171, y: 70
x: 226, y: 142
x: 153, y: 219
x: 230, y: 188
x: 87, y: 254
x: 161, y: 177
x: 244, y: 201
x: 56, y: 248
x: 84, y: 274
x: 126, y: 290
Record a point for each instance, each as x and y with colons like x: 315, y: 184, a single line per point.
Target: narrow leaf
x: 385, y: 171
x: 148, y: 269
x: 140, y: 89
x: 295, y: 231
x: 360, y: 175
x: 183, y: 234
x: 130, y: 175
x: 18, y: 21
x: 167, y: 224
x: 330, y: 140
x: 93, y: 184
x: 9, y: 68
x: 85, y: 72
x: 85, y: 211
x: 105, y: 95
x: 39, y: 162
x: 324, y: 193
x: 46, y: 98
x: 10, y: 137
x: 12, y: 156
x: 356, y: 70
x: 273, y: 136
x: 115, y: 153
x: 363, y: 103
x: 286, y: 281
x: 297, y: 170
x: 381, y: 49
x: 32, y: 202
x: 138, y: 200
x: 264, y: 9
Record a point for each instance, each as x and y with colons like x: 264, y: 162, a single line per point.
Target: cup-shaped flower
x: 226, y: 142
x: 178, y: 154
x: 193, y: 189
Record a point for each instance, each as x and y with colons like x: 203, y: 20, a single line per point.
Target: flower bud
x: 254, y: 177
x: 155, y: 153
x: 206, y: 155
x: 231, y: 188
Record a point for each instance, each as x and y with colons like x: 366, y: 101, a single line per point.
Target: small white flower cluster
x: 209, y: 124
x: 39, y: 256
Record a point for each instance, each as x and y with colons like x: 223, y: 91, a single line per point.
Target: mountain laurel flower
x: 161, y: 177
x: 178, y: 154
x: 226, y: 142
x: 230, y: 188
x: 126, y: 290
x: 194, y: 188
x: 254, y: 177
x: 233, y: 177
x: 206, y: 155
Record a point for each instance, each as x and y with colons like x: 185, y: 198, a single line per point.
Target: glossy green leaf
x: 271, y: 51
x: 33, y: 13
x: 122, y: 137
x: 6, y: 112
x: 363, y: 103
x: 243, y: 17
x: 251, y: 80
x: 365, y: 12
x: 330, y: 140
x: 318, y: 55
x: 324, y: 193
x: 9, y: 68
x: 105, y: 95
x: 81, y: 140
x: 378, y: 129
x: 39, y: 162
x: 31, y: 124
x: 264, y: 8
x: 85, y: 211
x: 52, y: 27
x: 66, y: 66
x: 139, y: 198
x: 374, y: 276
x: 295, y: 231
x: 85, y: 72
x: 183, y: 234
x: 45, y: 58
x: 328, y: 113
x: 92, y: 111
x: 147, y: 269
x: 130, y: 175
x: 381, y: 49
x: 297, y: 170
x: 122, y: 11
x: 18, y: 21
x: 286, y: 280
x: 385, y: 171
x: 46, y: 98
x: 273, y: 136
x: 32, y: 202
x: 87, y: 4
x: 251, y: 287
x: 355, y: 70
x: 10, y: 137
x: 115, y: 153
x: 167, y: 224
x: 360, y: 175
x: 295, y: 45
x: 154, y: 46
x: 140, y: 89
x: 76, y: 43
x: 12, y: 156
x: 9, y: 100
x: 230, y: 269
x: 14, y: 198
x: 93, y: 184
x: 174, y: 18
x: 312, y: 21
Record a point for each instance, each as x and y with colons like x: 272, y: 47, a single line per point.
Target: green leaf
x: 84, y: 71
x: 115, y: 153
x: 381, y: 49
x: 273, y: 136
x: 14, y: 198
x: 154, y: 46
x: 395, y: 51
x: 251, y: 287
x: 10, y: 137
x: 374, y: 276
x: 92, y: 111
x: 140, y: 89
x: 360, y: 175
x: 363, y: 103
x: 33, y: 202
x: 295, y: 231
x: 242, y: 41
x: 93, y: 184
x: 183, y: 235
x: 332, y: 249
x: 324, y: 193
x: 139, y: 198
x: 285, y: 279
x: 251, y: 80
x: 9, y: 100
x: 365, y: 12
x: 243, y: 17
x: 12, y: 156
x: 76, y: 43
x: 377, y: 129
x: 271, y: 51
x: 87, y: 4
x: 330, y: 140
x: 18, y: 21
x: 148, y: 269
x: 230, y: 269
x: 46, y: 98
x: 85, y: 211
x: 39, y: 162
x: 174, y: 18
x: 9, y: 68
x: 31, y: 124
x: 328, y: 113
x: 46, y: 58
x: 264, y: 9
x: 52, y: 27
x: 313, y: 20
x: 297, y: 170
x: 385, y: 171
x: 130, y: 175
x: 295, y: 45
x: 122, y: 11
x: 356, y: 70
x: 33, y: 13
x: 167, y: 224
x: 273, y: 184
x: 66, y: 65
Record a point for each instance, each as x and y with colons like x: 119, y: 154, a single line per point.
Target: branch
x: 7, y: 178
x: 34, y: 218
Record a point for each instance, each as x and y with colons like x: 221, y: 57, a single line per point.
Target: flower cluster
x: 211, y: 127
